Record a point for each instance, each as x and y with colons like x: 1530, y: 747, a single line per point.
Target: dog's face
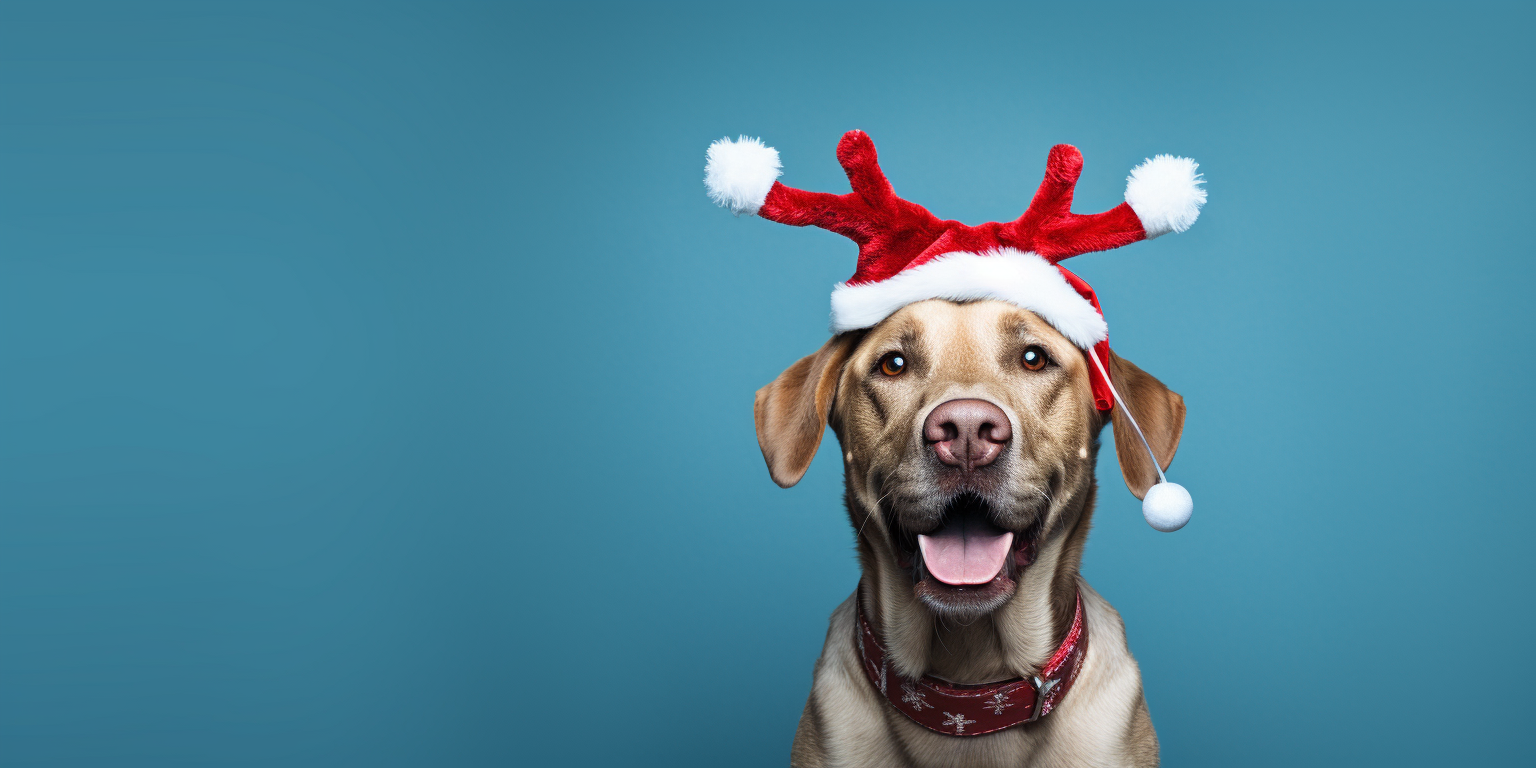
x: 969, y: 435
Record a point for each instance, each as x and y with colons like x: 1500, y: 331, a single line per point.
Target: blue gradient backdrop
x: 375, y: 379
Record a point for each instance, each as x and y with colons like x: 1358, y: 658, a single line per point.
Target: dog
x: 969, y: 436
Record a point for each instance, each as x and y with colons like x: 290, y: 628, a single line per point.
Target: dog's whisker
x: 868, y: 514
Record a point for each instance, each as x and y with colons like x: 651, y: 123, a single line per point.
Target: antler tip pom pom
x: 1165, y: 193
x: 740, y: 173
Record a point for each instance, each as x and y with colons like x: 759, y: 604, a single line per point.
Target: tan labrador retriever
x: 971, y: 414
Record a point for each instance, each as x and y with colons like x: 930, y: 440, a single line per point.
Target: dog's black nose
x: 967, y: 433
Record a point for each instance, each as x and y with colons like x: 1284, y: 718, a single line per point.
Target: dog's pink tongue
x: 965, y: 552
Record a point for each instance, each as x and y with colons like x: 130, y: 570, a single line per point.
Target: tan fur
x: 791, y: 413
x: 964, y: 351
x: 1159, y: 411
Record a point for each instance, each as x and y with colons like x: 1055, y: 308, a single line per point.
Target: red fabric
x: 1103, y: 396
x: 894, y: 234
x: 973, y: 710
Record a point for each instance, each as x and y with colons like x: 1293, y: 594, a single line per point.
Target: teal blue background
x: 375, y: 379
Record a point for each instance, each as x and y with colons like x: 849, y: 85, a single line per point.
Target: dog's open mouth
x: 968, y: 549
x: 968, y: 565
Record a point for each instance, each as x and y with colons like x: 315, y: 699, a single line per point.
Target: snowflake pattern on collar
x: 951, y: 709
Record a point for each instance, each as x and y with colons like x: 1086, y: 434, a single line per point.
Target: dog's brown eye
x: 893, y: 364
x: 1034, y: 358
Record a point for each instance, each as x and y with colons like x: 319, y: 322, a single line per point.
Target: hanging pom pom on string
x: 1166, y: 506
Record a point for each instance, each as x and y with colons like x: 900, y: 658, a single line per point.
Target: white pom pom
x: 1167, y: 507
x: 1165, y: 193
x: 739, y: 173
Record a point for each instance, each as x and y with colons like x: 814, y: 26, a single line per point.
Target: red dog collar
x: 972, y: 710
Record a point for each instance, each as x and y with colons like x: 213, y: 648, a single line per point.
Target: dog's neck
x: 1014, y: 640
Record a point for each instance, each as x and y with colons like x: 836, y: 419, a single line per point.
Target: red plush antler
x: 894, y: 234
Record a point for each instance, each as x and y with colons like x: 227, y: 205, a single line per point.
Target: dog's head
x: 969, y: 437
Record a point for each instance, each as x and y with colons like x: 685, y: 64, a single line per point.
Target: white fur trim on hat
x: 1013, y: 276
x: 1165, y: 193
x: 740, y: 173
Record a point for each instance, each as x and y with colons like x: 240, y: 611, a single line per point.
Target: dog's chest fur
x: 848, y: 723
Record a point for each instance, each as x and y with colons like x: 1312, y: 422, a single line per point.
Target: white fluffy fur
x: 1165, y: 193
x: 740, y: 173
x: 1020, y: 278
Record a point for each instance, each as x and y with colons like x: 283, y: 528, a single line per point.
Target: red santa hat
x: 907, y: 254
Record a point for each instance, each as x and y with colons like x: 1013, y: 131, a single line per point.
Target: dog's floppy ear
x: 1160, y: 412
x: 792, y: 410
